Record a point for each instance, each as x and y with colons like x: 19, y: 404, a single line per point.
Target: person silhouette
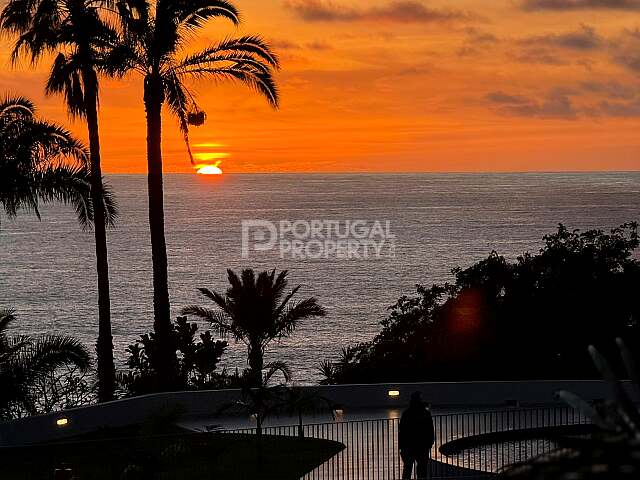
x: 416, y: 435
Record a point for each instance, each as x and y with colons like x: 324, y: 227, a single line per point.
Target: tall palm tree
x: 256, y: 311
x: 83, y: 41
x: 156, y: 33
x: 40, y: 162
x: 26, y: 360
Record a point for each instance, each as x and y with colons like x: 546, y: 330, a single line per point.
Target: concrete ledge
x: 463, y: 395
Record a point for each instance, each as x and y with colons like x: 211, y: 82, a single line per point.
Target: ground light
x: 61, y: 422
x: 394, y: 393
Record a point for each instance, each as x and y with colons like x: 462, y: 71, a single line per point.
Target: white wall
x: 465, y: 395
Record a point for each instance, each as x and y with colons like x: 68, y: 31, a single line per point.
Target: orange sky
x: 380, y: 85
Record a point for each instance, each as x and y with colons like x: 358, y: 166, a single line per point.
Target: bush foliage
x: 197, y: 361
x: 501, y: 320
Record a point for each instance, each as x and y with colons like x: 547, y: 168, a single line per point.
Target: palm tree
x: 74, y: 30
x: 40, y: 161
x: 256, y: 311
x: 156, y: 34
x: 262, y: 399
x: 26, y: 360
x: 299, y: 401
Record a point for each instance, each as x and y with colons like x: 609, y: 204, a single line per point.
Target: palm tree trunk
x: 256, y: 364
x: 166, y: 358
x: 104, y: 345
x: 300, y: 425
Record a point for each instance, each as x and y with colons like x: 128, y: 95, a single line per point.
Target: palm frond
x: 111, y: 209
x: 257, y: 81
x: 218, y: 299
x: 16, y: 106
x: 40, y: 162
x: 303, y: 310
x: 49, y: 352
x: 178, y: 100
x: 7, y: 317
x: 217, y: 320
x: 248, y: 44
x: 270, y: 369
x: 65, y: 79
x: 193, y: 14
x: 67, y: 185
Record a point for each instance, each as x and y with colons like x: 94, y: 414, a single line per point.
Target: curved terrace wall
x: 463, y: 395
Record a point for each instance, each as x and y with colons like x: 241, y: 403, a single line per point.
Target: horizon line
x: 421, y: 172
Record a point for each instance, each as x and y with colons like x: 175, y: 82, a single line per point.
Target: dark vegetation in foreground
x: 27, y: 364
x: 257, y: 309
x: 501, y: 320
x: 138, y: 455
x: 613, y: 450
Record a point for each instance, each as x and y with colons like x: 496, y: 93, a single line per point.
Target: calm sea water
x: 440, y: 221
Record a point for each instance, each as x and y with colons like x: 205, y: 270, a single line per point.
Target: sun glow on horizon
x: 208, y: 163
x: 204, y: 169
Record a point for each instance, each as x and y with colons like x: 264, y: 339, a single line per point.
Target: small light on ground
x: 61, y: 422
x: 394, y: 393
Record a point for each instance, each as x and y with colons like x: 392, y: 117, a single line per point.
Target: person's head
x: 416, y: 400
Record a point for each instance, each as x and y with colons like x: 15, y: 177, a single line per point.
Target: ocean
x: 435, y: 222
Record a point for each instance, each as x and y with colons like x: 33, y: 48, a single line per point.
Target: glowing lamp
x: 61, y: 422
x: 394, y: 393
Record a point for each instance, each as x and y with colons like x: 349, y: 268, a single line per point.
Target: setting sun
x: 209, y: 169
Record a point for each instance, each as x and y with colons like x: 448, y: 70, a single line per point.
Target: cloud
x: 620, y: 109
x: 506, y: 99
x: 611, y: 89
x: 282, y: 44
x: 580, y: 4
x: 556, y: 104
x: 585, y: 38
x: 397, y: 11
x: 554, y: 48
x: 318, y: 45
x: 586, y: 99
x: 544, y: 56
x: 476, y: 42
x: 627, y: 50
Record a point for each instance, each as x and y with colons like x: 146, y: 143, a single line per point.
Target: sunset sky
x: 380, y: 85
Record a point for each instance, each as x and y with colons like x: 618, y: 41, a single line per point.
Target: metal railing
x: 476, y: 444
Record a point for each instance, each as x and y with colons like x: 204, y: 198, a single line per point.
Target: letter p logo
x: 258, y: 236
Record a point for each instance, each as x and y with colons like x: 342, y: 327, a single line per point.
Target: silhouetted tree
x: 300, y: 401
x: 156, y: 34
x: 83, y: 44
x: 256, y: 311
x: 40, y: 162
x: 263, y: 399
x: 527, y: 319
x: 24, y: 361
x: 197, y: 361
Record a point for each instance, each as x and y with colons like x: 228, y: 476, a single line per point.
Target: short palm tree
x: 300, y: 401
x: 40, y: 162
x: 83, y: 43
x: 256, y: 311
x: 263, y: 399
x: 156, y: 34
x: 26, y: 360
